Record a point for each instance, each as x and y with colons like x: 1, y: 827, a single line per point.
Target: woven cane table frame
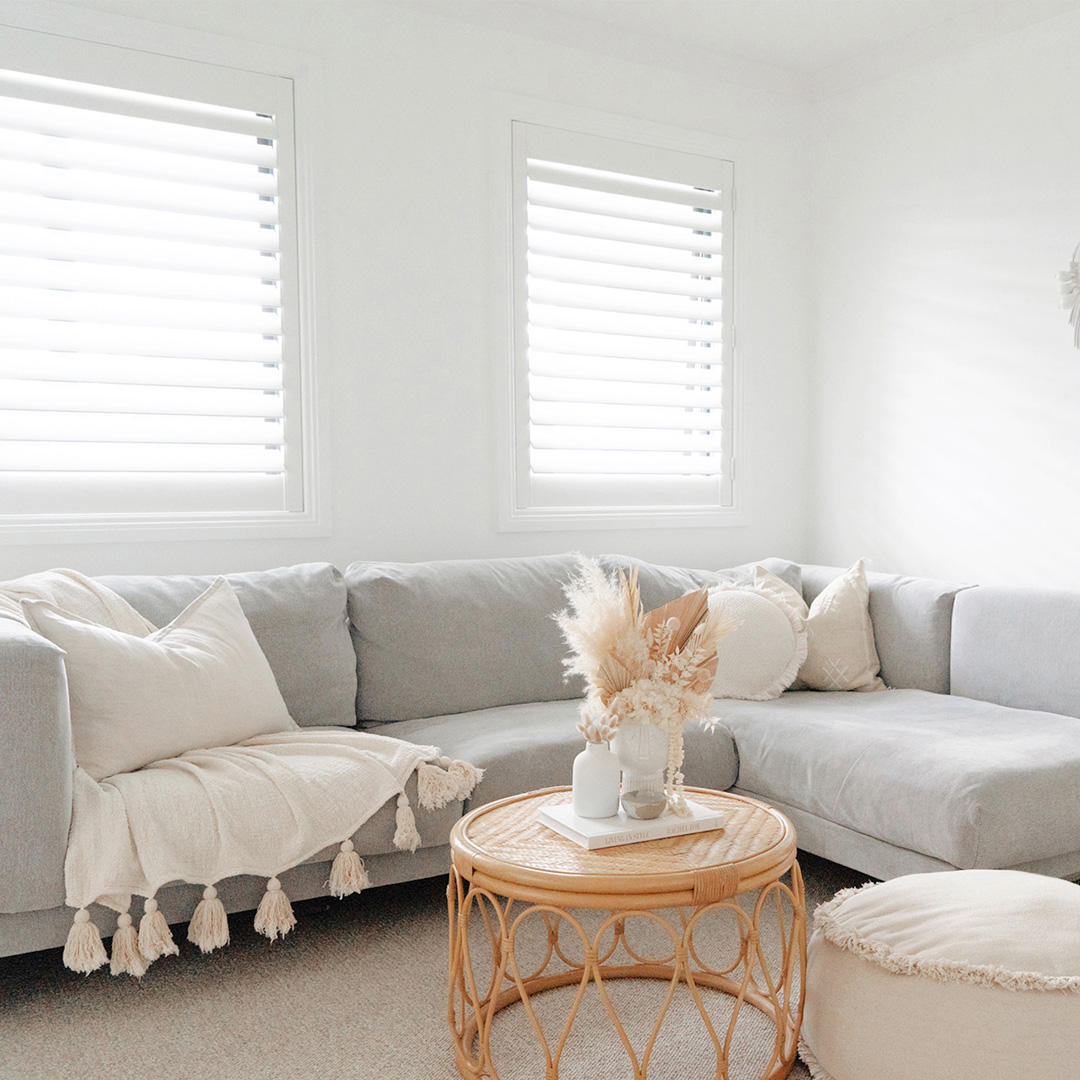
x: 503, y: 856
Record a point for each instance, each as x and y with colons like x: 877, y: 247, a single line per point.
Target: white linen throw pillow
x: 759, y: 659
x: 200, y: 682
x: 841, y: 652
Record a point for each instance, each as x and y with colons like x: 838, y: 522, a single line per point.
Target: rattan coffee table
x: 509, y: 870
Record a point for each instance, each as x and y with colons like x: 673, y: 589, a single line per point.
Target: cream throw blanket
x: 258, y: 807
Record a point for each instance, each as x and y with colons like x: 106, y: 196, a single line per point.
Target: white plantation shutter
x: 147, y: 299
x: 623, y: 301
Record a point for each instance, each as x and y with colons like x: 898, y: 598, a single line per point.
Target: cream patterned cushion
x: 760, y: 658
x: 841, y: 653
x: 965, y: 973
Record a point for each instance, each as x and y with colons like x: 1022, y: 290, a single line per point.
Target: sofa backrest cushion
x: 458, y: 635
x: 912, y: 620
x: 298, y: 616
x: 1018, y: 646
x: 662, y: 584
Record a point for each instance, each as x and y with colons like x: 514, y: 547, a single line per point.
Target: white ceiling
x: 812, y: 46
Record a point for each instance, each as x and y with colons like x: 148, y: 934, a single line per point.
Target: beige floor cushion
x: 971, y: 973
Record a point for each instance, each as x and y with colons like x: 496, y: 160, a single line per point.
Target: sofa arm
x: 36, y: 765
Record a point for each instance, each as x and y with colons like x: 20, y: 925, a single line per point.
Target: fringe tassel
x: 435, y: 787
x: 209, y: 927
x: 347, y: 875
x: 275, y: 916
x: 84, y: 951
x: 155, y: 937
x: 406, y: 838
x: 467, y: 776
x: 126, y: 958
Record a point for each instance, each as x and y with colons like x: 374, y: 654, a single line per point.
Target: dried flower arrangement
x: 640, y: 667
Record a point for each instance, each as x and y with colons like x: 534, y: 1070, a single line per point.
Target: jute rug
x: 357, y: 990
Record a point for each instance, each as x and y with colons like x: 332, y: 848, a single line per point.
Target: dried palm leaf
x: 611, y: 677
x: 689, y: 610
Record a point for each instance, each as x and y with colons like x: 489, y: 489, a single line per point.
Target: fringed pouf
x: 946, y: 976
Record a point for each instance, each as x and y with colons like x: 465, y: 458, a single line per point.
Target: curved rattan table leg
x: 472, y: 1010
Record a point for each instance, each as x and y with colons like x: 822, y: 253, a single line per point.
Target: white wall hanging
x: 1070, y: 294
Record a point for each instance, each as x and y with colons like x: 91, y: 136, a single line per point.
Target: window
x: 150, y: 350
x: 622, y: 309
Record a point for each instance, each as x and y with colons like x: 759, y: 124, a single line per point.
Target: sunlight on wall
x: 948, y: 443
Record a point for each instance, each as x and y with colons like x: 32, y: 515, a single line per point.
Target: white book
x: 594, y: 833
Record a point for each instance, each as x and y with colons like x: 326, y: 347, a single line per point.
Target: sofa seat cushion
x: 526, y: 747
x: 376, y: 835
x: 968, y: 782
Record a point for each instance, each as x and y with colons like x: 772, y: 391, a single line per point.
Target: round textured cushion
x: 968, y: 973
x: 759, y: 659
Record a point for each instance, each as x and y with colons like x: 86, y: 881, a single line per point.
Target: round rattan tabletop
x: 506, y: 848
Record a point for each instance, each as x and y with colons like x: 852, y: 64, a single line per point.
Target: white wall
x: 403, y: 218
x: 945, y: 200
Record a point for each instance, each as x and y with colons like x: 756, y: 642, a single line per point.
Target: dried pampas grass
x: 653, y: 667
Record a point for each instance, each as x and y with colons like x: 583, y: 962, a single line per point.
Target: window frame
x: 126, y: 53
x: 518, y: 511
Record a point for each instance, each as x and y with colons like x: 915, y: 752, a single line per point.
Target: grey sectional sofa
x: 971, y: 760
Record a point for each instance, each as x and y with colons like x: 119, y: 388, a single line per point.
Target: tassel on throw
x: 467, y: 776
x: 435, y: 787
x: 84, y: 951
x: 347, y: 875
x: 275, y: 916
x: 126, y: 958
x: 155, y: 937
x: 406, y: 838
x: 209, y: 928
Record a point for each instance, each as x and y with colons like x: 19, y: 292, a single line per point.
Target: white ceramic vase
x: 642, y: 751
x: 596, y: 782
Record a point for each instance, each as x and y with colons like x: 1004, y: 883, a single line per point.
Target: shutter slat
x: 621, y: 253
x: 99, y: 368
x: 616, y: 276
x: 60, y: 108
x: 631, y: 208
x: 542, y: 339
x: 575, y: 366
x: 67, y: 427
x: 135, y: 193
x: 602, y: 227
x: 623, y: 463
x: 152, y: 254
x: 630, y: 301
x: 74, y: 153
x: 125, y: 312
x: 55, y: 274
x: 110, y: 221
x: 572, y: 414
x: 552, y: 437
x: 585, y: 391
x: 138, y: 457
x: 145, y: 400
x: 620, y: 184
x: 590, y: 321
x: 34, y: 334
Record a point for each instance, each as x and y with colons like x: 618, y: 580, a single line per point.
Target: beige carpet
x: 358, y: 990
